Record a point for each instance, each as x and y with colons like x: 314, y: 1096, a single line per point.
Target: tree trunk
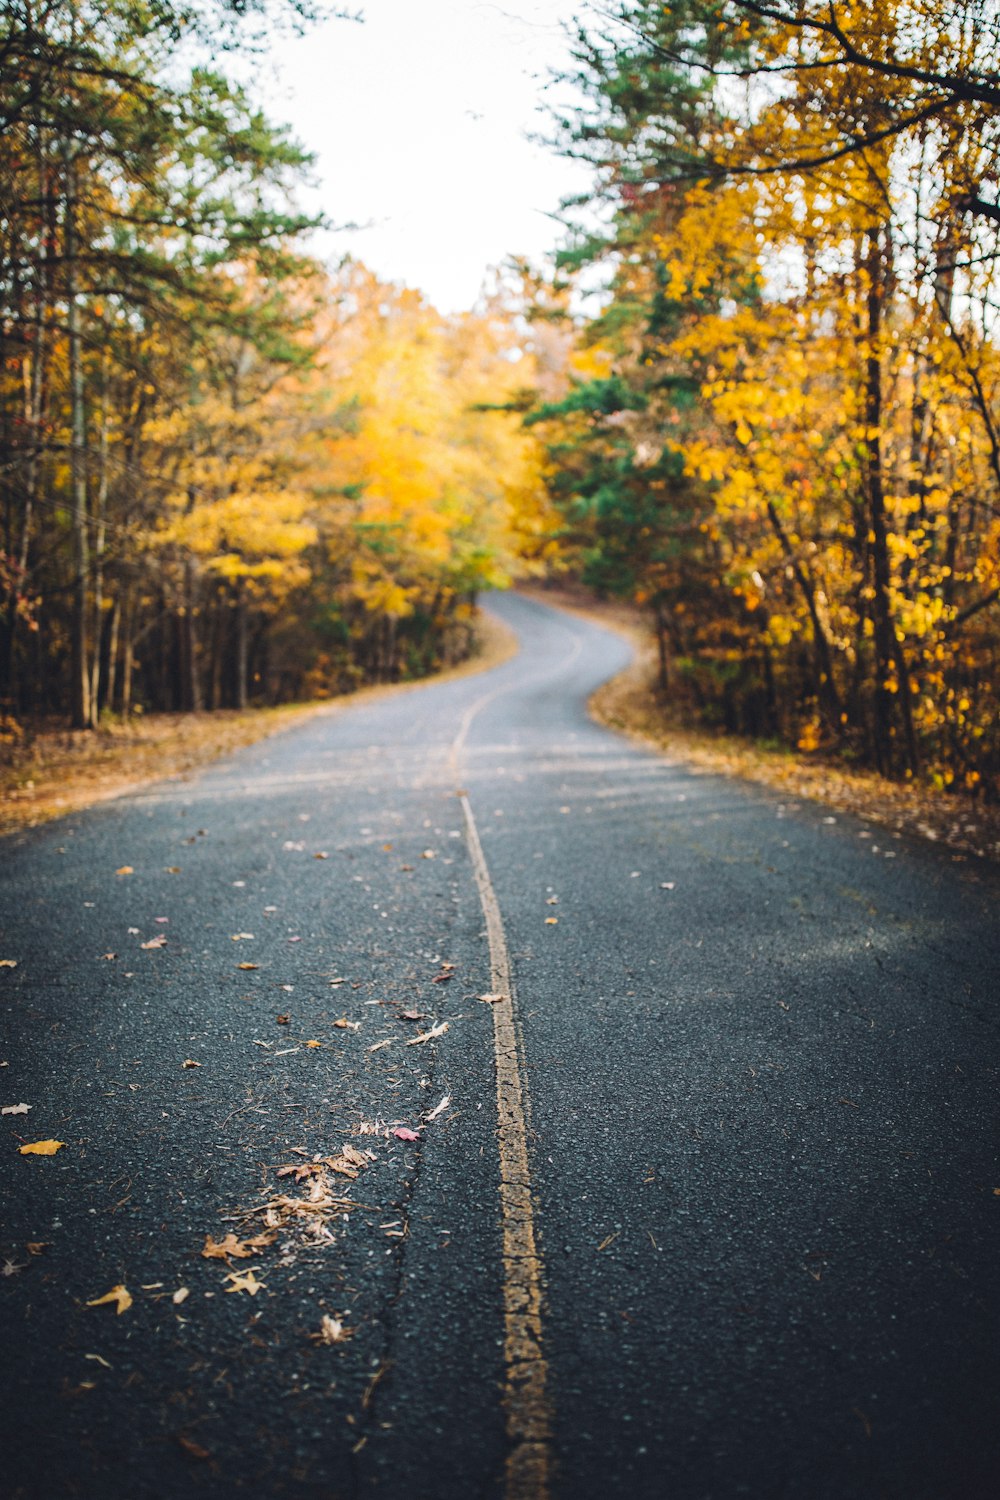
x: 242, y: 646
x: 100, y: 542
x: 889, y: 656
x: 128, y: 657
x: 828, y: 694
x: 81, y: 716
x: 663, y: 656
x: 114, y: 633
x: 194, y: 699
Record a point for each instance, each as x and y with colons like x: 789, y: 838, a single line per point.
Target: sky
x: 419, y: 119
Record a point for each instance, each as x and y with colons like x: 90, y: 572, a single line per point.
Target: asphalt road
x: 745, y: 1156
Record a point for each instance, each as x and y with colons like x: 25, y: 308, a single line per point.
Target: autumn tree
x: 815, y: 257
x: 130, y: 187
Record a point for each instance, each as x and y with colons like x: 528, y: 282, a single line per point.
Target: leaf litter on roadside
x: 306, y: 1217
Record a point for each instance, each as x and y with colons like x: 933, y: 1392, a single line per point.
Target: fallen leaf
x: 439, y: 1108
x: 259, y: 1241
x: 160, y: 941
x: 125, y: 870
x: 173, y: 870
x: 99, y: 1360
x: 233, y: 1248
x: 301, y: 1169
x: 181, y: 1295
x: 245, y: 1281
x: 331, y: 1331
x: 387, y: 848
x: 189, y: 1062
x: 667, y: 885
x: 15, y: 1109
x: 109, y: 956
x: 321, y: 855
x: 427, y: 1036
x: 411, y: 1015
x: 191, y: 1448
x: 41, y: 1148
x: 248, y: 966
x: 429, y: 854
x: 35, y: 1247
x: 283, y: 1020
x: 314, y: 1044
x: 355, y: 1157
x: 8, y: 963
x: 343, y: 1024
x: 341, y: 1166
x: 552, y: 901
x: 11, y: 1267
x: 243, y: 937
x: 118, y: 1295
x: 379, y: 1045
x: 490, y: 999
x: 551, y: 921
x: 443, y: 977
x: 402, y: 1133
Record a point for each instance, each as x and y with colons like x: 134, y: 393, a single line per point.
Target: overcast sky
x: 419, y: 119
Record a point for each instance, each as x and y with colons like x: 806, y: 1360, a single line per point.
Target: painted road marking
x: 525, y: 1380
x: 529, y: 1424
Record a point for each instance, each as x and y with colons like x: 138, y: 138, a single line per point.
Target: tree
x: 802, y: 253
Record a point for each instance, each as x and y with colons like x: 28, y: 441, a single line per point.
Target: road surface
x: 700, y: 1201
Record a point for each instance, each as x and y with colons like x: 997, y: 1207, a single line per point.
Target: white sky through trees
x: 419, y: 120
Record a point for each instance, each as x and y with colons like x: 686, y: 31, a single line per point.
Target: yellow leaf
x: 314, y: 1044
x: 125, y: 870
x: 118, y: 1295
x: 41, y: 1148
x: 244, y: 1282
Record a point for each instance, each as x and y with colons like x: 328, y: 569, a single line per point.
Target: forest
x: 757, y: 394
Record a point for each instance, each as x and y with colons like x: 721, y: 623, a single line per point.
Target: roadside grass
x: 630, y: 703
x: 54, y: 771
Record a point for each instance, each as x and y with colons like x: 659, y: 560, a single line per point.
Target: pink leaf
x: 403, y: 1134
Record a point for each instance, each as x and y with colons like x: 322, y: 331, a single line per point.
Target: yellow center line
x: 525, y: 1376
x: 526, y: 1399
